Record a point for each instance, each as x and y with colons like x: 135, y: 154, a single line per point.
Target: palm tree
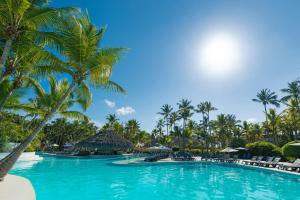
x: 292, y: 92
x: 201, y: 108
x: 159, y: 127
x: 208, y: 108
x: 292, y: 115
x: 112, y: 119
x: 274, y: 120
x: 185, y: 111
x: 173, y: 119
x: 21, y: 19
x: 86, y: 63
x: 132, y: 128
x: 26, y: 61
x: 166, y: 110
x: 267, y: 97
x: 220, y: 124
x: 42, y: 104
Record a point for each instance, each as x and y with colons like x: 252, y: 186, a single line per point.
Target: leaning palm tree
x: 27, y: 60
x: 166, y: 110
x: 267, y: 97
x: 21, y: 19
x: 40, y: 106
x: 86, y: 63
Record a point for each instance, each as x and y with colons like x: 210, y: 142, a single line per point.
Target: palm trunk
x: 5, y: 53
x: 6, y: 97
x: 167, y: 128
x: 267, y: 128
x: 7, y: 163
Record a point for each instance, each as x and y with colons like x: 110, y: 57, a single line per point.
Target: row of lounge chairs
x: 273, y: 162
x: 182, y: 156
x: 269, y: 161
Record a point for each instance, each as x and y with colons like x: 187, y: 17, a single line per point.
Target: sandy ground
x: 16, y: 188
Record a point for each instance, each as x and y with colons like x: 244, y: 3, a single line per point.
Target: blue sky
x: 163, y: 64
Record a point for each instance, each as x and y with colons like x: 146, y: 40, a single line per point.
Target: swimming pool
x: 96, y: 179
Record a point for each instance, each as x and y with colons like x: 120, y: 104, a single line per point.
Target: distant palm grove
x: 40, y: 44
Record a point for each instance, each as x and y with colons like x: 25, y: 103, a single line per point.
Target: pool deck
x: 16, y: 188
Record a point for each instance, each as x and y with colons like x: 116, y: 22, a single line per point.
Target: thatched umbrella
x: 105, y: 141
x: 229, y: 150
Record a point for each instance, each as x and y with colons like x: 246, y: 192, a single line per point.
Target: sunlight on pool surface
x: 94, y: 179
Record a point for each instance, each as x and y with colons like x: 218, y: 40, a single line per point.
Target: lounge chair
x: 182, y: 156
x: 251, y: 160
x: 293, y: 166
x: 268, y: 160
x: 274, y: 162
x: 259, y: 159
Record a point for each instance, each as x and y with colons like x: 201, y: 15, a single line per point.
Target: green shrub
x: 263, y: 148
x: 196, y: 151
x: 237, y: 142
x: 291, y: 152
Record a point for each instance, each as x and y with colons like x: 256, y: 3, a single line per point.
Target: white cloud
x: 109, y: 103
x: 98, y: 123
x: 251, y: 120
x: 125, y: 110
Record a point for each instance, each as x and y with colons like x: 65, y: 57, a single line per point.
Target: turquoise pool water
x: 97, y: 179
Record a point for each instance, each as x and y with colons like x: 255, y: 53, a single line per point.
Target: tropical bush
x: 263, y: 148
x: 237, y: 142
x: 291, y: 152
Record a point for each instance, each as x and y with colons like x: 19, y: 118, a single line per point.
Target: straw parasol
x: 241, y: 149
x: 106, y: 141
x: 229, y: 150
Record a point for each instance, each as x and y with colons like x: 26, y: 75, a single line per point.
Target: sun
x: 220, y: 55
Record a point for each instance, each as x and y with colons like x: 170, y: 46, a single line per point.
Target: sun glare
x: 220, y: 55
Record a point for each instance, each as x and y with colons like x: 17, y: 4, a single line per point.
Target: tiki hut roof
x: 105, y: 140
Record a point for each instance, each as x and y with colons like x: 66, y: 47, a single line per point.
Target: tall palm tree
x: 173, y: 119
x: 208, y: 108
x: 85, y: 62
x: 132, y: 128
x: 292, y: 115
x: 267, y: 97
x: 112, y: 119
x: 159, y: 127
x: 201, y: 108
x: 220, y: 125
x: 274, y: 120
x: 185, y: 111
x: 292, y: 92
x: 166, y: 110
x: 21, y: 19
x: 291, y: 99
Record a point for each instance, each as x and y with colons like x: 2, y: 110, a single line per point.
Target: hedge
x: 291, y: 152
x: 262, y: 148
